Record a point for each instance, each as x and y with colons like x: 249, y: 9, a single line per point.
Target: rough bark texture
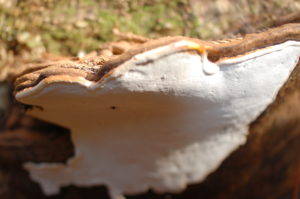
x: 267, y: 166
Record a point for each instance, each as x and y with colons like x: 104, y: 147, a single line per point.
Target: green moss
x: 59, y: 23
x: 68, y: 26
x: 106, y: 21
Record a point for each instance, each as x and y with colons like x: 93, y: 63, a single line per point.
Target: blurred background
x: 29, y: 28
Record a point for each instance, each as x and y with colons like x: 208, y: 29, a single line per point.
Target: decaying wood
x: 267, y: 166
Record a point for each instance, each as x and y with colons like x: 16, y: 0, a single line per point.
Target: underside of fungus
x: 160, y: 116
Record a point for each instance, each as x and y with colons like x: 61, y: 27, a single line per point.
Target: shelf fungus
x: 161, y: 115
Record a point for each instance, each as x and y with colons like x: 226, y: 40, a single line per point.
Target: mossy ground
x: 65, y: 27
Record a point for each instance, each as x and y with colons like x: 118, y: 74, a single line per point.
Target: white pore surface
x: 161, y: 122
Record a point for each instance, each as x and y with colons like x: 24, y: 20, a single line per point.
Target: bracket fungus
x: 160, y: 116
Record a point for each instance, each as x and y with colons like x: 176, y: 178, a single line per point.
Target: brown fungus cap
x: 96, y: 67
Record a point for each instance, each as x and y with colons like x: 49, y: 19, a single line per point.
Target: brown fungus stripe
x: 216, y: 50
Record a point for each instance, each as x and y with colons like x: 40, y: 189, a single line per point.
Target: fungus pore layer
x: 159, y: 121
